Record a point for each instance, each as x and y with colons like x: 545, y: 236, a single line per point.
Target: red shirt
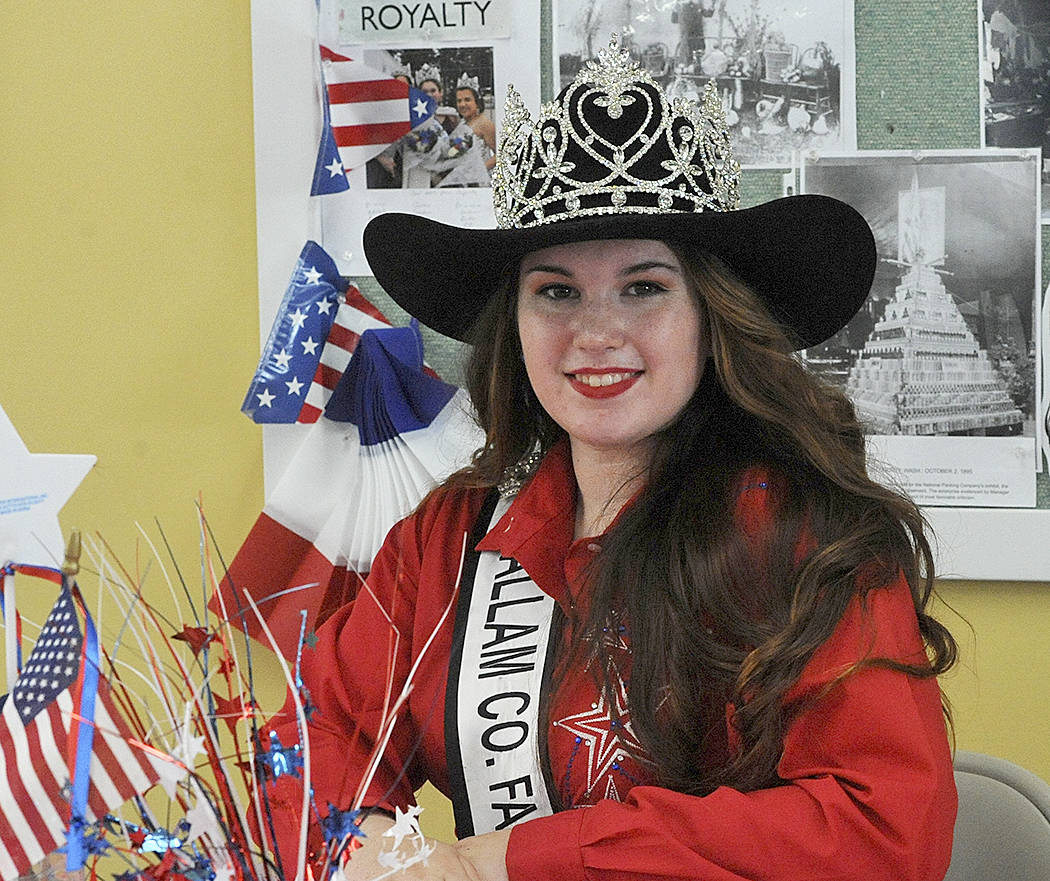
x: 869, y: 790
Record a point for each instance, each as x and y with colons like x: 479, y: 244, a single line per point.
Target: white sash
x: 492, y: 724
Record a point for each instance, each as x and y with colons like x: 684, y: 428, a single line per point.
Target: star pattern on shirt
x: 610, y: 642
x: 605, y: 734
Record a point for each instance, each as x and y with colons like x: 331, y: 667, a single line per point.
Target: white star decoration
x: 420, y: 108
x: 33, y: 488
x: 171, y: 774
x: 281, y: 359
x: 312, y: 275
x: 594, y: 728
x: 265, y: 398
x: 335, y: 169
x: 406, y: 825
x: 297, y: 317
x: 324, y: 307
x: 188, y: 748
x: 294, y: 386
x: 201, y: 818
x: 309, y: 346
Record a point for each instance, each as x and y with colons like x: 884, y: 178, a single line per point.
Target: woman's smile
x: 601, y: 382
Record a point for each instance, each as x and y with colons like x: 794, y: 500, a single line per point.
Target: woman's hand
x: 487, y: 854
x: 481, y: 858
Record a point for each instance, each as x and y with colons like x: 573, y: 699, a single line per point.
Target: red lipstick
x: 603, y: 391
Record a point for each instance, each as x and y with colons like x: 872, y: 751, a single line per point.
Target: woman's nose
x: 598, y: 324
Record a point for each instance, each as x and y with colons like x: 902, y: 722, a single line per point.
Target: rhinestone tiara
x: 466, y: 81
x: 612, y: 143
x: 428, y: 72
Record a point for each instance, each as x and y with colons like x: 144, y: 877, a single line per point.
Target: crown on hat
x: 468, y: 82
x: 428, y: 72
x: 612, y: 143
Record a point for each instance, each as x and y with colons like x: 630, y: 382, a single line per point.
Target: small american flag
x: 329, y: 174
x: 35, y: 748
x: 367, y: 116
x: 367, y: 109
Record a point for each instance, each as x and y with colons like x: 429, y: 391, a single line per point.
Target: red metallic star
x: 232, y: 709
x: 196, y: 637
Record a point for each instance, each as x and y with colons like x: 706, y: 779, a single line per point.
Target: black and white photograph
x: 946, y: 343
x: 941, y: 362
x: 785, y: 71
x: 1015, y: 74
x: 456, y: 147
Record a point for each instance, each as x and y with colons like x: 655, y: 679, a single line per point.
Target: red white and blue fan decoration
x: 390, y: 433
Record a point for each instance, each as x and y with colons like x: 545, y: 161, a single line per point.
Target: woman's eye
x: 644, y: 289
x: 556, y: 291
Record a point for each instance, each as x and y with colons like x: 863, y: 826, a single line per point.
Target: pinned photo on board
x: 941, y: 363
x: 455, y: 145
x: 1015, y: 79
x: 786, y: 76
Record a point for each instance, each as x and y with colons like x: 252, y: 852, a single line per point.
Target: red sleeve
x: 354, y: 674
x: 869, y: 791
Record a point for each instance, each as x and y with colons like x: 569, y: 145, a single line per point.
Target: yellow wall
x: 127, y: 258
x: 128, y: 270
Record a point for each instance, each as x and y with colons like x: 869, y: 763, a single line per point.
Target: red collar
x: 537, y: 529
x: 547, y: 502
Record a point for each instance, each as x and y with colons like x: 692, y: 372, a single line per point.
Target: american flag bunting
x: 356, y: 315
x: 317, y: 326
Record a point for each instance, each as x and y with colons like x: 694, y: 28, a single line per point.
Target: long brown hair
x: 715, y: 616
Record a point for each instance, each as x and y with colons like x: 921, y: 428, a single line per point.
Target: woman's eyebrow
x: 548, y: 267
x: 646, y: 265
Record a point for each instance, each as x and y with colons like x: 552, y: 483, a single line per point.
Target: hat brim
x: 810, y: 258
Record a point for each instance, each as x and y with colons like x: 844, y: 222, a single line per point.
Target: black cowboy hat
x: 614, y: 159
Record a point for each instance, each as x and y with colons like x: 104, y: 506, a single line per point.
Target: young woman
x: 666, y: 593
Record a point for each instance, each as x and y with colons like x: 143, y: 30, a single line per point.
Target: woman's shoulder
x: 448, y: 508
x: 432, y: 533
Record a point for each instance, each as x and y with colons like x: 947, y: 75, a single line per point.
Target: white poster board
x: 973, y: 543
